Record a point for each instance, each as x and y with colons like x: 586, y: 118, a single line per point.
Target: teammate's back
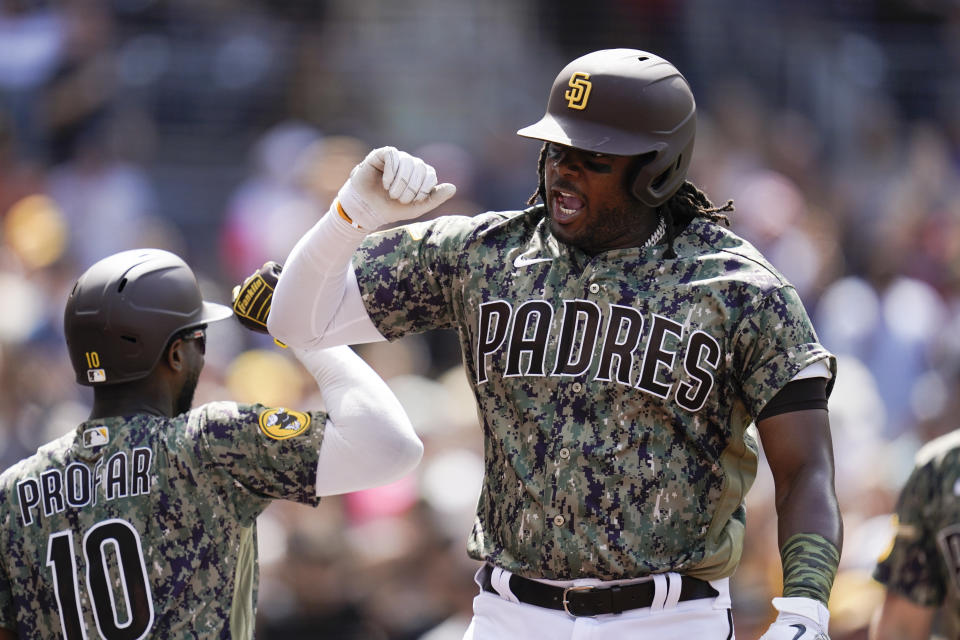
x: 141, y: 522
x: 114, y: 497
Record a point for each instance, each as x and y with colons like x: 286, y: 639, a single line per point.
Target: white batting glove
x: 390, y: 186
x: 799, y: 619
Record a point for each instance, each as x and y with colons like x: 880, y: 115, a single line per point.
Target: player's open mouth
x: 566, y: 205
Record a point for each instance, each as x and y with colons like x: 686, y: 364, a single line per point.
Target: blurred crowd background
x: 220, y: 129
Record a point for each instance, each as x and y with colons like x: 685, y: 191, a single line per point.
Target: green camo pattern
x: 184, y: 491
x: 810, y: 564
x: 601, y: 472
x: 923, y: 561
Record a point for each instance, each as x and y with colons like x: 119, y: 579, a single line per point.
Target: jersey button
x: 558, y: 520
x: 594, y: 288
x: 564, y: 453
x: 577, y: 387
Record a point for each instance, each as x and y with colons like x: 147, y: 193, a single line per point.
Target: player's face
x: 588, y: 201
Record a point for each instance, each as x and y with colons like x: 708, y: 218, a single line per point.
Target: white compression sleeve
x: 351, y: 324
x: 317, y: 300
x: 369, y: 440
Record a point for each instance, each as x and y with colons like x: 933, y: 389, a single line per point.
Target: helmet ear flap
x: 658, y: 179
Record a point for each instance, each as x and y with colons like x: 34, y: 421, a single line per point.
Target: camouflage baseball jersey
x: 145, y: 526
x: 614, y: 391
x: 923, y: 562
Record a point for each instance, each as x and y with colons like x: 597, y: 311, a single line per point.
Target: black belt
x: 593, y: 601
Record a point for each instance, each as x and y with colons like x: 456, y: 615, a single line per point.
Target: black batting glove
x: 251, y: 300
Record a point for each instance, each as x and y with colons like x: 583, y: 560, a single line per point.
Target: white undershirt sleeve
x: 818, y: 369
x: 317, y: 301
x: 369, y: 440
x: 351, y: 324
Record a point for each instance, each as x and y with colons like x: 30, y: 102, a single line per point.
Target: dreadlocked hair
x: 541, y: 191
x: 687, y: 203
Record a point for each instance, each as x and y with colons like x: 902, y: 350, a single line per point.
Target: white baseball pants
x: 500, y: 617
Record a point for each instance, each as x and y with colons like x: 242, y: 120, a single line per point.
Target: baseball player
x: 619, y: 341
x: 921, y: 570
x: 141, y: 522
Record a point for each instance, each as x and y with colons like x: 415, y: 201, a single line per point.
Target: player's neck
x: 140, y: 396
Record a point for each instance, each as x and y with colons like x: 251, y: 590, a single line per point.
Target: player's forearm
x: 811, y: 535
x: 369, y: 440
x: 313, y: 281
x: 799, y: 451
x: 808, y: 504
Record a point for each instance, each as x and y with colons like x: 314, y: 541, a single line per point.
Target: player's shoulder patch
x: 280, y: 423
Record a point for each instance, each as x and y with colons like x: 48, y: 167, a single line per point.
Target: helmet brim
x: 587, y: 136
x: 213, y: 312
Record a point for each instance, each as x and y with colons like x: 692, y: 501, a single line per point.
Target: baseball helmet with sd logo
x: 625, y: 102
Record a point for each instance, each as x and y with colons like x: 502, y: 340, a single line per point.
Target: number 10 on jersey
x: 123, y: 611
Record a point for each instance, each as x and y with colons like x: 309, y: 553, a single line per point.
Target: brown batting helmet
x: 625, y: 102
x: 123, y: 311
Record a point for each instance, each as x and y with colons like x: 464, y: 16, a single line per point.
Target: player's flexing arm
x: 368, y: 440
x: 799, y: 451
x: 317, y: 300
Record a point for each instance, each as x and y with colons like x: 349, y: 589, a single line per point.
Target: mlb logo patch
x: 96, y: 437
x: 96, y: 375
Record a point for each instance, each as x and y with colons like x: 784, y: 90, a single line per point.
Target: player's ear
x: 174, y: 356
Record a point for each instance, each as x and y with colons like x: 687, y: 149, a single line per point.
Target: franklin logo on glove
x: 251, y: 300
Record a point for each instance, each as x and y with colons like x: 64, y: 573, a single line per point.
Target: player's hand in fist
x: 798, y: 619
x: 390, y: 186
x: 251, y: 300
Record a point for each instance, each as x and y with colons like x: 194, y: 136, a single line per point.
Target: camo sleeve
x: 912, y: 566
x: 774, y: 342
x: 259, y: 453
x: 408, y: 275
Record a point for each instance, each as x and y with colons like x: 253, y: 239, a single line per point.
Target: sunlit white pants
x: 501, y: 617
